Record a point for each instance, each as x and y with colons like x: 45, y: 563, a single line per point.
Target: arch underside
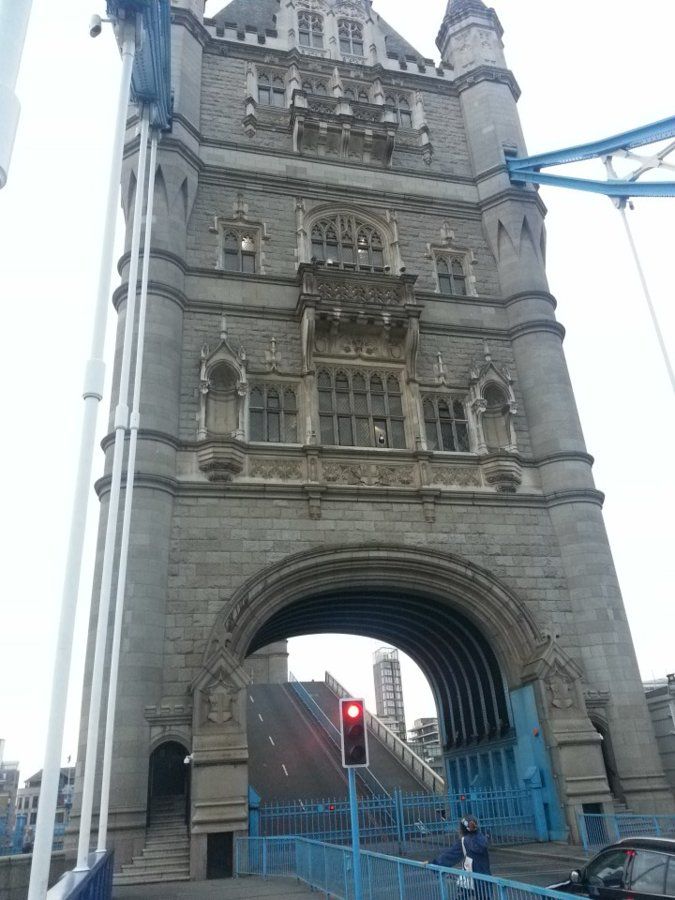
x: 455, y: 656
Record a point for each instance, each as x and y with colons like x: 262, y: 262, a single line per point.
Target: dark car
x: 633, y: 868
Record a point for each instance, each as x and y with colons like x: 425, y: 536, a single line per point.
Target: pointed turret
x: 460, y: 14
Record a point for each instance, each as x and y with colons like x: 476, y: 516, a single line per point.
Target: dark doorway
x: 608, y: 759
x: 169, y: 777
x: 219, y: 855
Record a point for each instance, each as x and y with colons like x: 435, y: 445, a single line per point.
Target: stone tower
x: 356, y: 416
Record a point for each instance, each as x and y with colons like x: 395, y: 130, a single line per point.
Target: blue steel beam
x: 151, y: 76
x: 527, y: 168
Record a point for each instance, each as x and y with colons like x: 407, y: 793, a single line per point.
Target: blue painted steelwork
x: 406, y: 821
x: 527, y: 169
x: 151, y: 76
x: 327, y: 868
x: 598, y: 830
x: 356, y: 844
x: 94, y: 884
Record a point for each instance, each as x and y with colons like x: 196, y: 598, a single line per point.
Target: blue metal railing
x: 405, y: 819
x: 596, y: 830
x: 329, y: 869
x: 94, y: 884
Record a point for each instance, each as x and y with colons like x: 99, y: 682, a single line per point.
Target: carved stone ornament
x: 217, y: 688
x: 558, y: 674
x: 275, y: 471
x: 456, y: 476
x: 370, y: 295
x: 559, y: 685
x: 370, y: 475
x: 353, y: 345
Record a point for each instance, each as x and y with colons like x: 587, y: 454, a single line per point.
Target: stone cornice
x: 188, y: 20
x: 576, y: 495
x: 537, y: 326
x: 511, y: 194
x: 487, y: 73
x: 530, y: 295
x: 565, y: 456
x: 157, y: 289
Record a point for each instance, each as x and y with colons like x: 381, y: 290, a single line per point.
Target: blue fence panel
x: 94, y: 884
x: 328, y: 869
x: 596, y: 830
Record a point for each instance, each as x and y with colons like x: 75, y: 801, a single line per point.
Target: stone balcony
x: 338, y: 128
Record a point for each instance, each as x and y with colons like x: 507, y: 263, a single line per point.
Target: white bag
x: 466, y: 881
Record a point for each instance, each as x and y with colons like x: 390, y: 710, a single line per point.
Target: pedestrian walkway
x: 247, y: 888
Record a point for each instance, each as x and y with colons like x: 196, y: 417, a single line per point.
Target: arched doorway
x: 169, y: 779
x: 609, y: 760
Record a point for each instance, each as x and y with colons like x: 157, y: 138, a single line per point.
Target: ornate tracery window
x: 351, y: 37
x: 360, y: 409
x: 315, y: 87
x: 445, y: 424
x: 273, y: 414
x: 342, y: 240
x: 310, y: 30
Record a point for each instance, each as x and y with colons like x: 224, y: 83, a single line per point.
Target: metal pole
x: 121, y: 423
x: 645, y: 289
x: 93, y: 394
x: 128, y: 502
x: 356, y: 845
x: 14, y: 16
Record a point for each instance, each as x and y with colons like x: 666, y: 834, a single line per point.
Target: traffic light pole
x: 356, y: 844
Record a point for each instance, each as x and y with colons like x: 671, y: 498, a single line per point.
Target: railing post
x: 617, y: 832
x: 401, y: 882
x: 583, y: 831
x: 264, y: 859
x: 657, y: 826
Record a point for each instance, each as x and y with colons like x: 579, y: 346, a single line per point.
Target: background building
x: 28, y: 799
x: 9, y: 783
x: 388, y: 690
x: 425, y: 740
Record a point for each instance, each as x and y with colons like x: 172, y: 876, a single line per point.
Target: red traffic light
x: 353, y: 733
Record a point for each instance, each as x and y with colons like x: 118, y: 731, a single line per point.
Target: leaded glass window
x: 358, y: 409
x: 451, y: 276
x: 351, y: 37
x: 346, y: 242
x: 239, y: 252
x: 273, y: 414
x: 310, y: 30
x: 445, y: 424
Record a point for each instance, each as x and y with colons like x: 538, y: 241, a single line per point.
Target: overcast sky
x: 586, y: 70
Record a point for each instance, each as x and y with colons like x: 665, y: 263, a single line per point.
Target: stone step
x: 177, y: 856
x: 140, y: 864
x: 138, y: 878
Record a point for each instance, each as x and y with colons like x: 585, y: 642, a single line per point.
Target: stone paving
x: 222, y: 889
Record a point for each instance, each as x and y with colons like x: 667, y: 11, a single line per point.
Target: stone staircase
x: 166, y: 855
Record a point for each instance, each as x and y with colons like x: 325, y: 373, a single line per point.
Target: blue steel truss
x: 151, y: 76
x: 527, y: 169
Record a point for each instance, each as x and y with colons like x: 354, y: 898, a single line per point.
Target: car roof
x: 652, y: 843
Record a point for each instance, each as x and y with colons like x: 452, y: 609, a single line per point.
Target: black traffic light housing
x: 354, y: 733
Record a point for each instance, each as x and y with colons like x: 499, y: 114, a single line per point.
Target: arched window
x: 310, y: 30
x: 315, y: 87
x: 360, y: 410
x: 351, y: 37
x: 271, y: 91
x: 239, y: 252
x: 273, y: 414
x: 364, y: 97
x: 401, y: 106
x: 346, y: 242
x: 445, y: 424
x: 349, y: 93
x: 451, y: 276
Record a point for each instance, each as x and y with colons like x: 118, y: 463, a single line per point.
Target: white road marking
x: 260, y: 717
x: 271, y: 741
x: 285, y: 770
x: 251, y: 698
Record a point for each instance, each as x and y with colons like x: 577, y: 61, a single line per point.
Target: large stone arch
x: 468, y: 589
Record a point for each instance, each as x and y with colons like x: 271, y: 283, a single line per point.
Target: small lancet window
x: 278, y: 92
x: 401, y: 106
x: 351, y: 37
x: 445, y: 424
x: 239, y: 252
x: 451, y: 276
x: 264, y: 90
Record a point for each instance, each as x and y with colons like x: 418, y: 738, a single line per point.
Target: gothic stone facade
x: 354, y: 377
